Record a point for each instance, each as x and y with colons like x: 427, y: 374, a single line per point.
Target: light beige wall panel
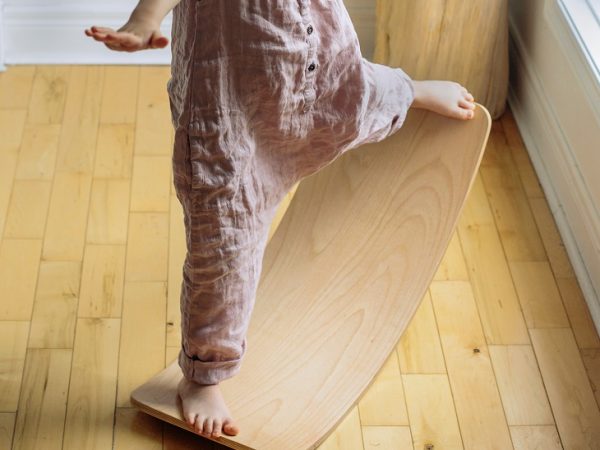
x: 555, y: 96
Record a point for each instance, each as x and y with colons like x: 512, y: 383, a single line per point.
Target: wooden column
x: 459, y: 40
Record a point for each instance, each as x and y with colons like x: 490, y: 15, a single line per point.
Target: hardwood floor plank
x: 114, y: 154
x: 509, y: 204
x: 420, y: 349
x: 520, y: 384
x: 43, y: 403
x: 573, y: 405
x: 77, y: 144
x: 431, y: 411
x: 348, y: 435
x: 538, y: 294
x: 477, y: 400
x: 580, y: 318
x: 177, y: 252
x: 379, y: 438
x: 92, y: 389
x: 142, y: 347
x: 11, y: 129
x: 13, y: 335
x: 67, y: 217
x: 535, y: 436
x: 555, y: 248
x: 153, y: 130
x: 452, y: 266
x: 7, y: 425
x: 529, y: 178
x: 497, y: 301
x: 28, y: 208
x: 591, y: 361
x: 19, y: 264
x: 102, y: 281
x: 55, y: 306
x: 119, y: 95
x: 383, y: 403
x: 15, y: 86
x: 37, y: 156
x: 154, y: 196
x: 109, y: 211
x: 147, y: 247
x: 48, y: 94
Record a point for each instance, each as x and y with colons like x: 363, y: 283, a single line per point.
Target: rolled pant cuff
x: 207, y: 372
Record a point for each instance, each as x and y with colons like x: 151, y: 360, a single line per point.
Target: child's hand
x: 131, y: 37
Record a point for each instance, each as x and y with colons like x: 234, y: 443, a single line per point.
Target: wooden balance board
x: 342, y: 277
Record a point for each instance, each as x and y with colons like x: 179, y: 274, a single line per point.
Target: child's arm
x: 141, y: 30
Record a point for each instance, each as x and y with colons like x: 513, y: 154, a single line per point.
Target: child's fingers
x: 118, y: 40
x: 107, y: 35
x: 99, y: 37
x: 91, y: 33
x: 102, y: 29
x: 122, y: 40
x: 102, y: 37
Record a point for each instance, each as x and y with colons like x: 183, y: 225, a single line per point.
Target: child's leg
x: 227, y: 218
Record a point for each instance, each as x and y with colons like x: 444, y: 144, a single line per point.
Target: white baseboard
x: 54, y: 34
x: 571, y: 205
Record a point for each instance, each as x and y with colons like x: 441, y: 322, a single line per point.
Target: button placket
x: 312, y: 65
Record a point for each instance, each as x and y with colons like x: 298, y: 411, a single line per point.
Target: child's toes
x: 466, y: 104
x: 208, y: 427
x: 230, y: 428
x: 463, y: 113
x: 191, y: 418
x: 216, y: 432
x: 199, y: 424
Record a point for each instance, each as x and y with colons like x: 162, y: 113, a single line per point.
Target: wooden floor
x: 501, y: 354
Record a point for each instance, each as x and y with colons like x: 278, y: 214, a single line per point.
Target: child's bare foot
x: 444, y: 97
x: 205, y: 409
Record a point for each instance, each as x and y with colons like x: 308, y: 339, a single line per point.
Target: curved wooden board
x: 342, y: 277
x: 281, y: 210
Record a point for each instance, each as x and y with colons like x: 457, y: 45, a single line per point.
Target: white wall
x: 2, y: 66
x: 52, y: 31
x: 555, y: 97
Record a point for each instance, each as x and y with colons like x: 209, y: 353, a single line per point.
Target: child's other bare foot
x: 205, y: 409
x: 444, y: 97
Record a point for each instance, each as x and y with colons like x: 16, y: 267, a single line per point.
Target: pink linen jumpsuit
x: 262, y: 93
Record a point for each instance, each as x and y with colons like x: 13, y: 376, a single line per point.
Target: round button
x: 309, y: 29
x: 311, y: 67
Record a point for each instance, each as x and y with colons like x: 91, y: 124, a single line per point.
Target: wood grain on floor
x: 502, y: 353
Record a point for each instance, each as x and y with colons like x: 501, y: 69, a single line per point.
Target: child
x: 262, y: 93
